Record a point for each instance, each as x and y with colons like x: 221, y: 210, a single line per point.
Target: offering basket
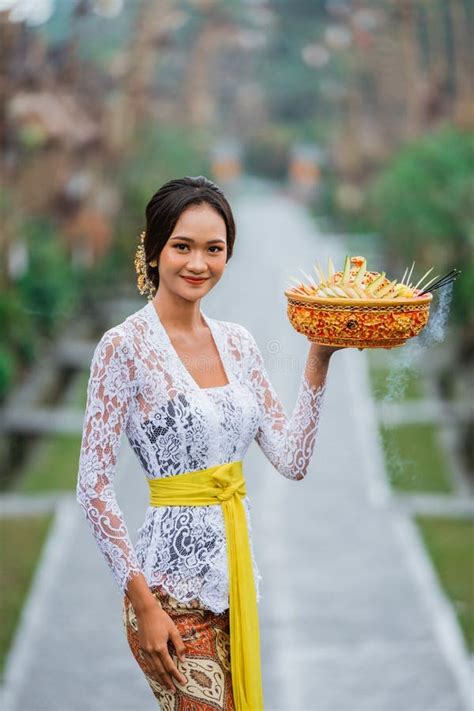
x: 358, y: 323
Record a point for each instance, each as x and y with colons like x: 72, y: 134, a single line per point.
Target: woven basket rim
x: 421, y: 300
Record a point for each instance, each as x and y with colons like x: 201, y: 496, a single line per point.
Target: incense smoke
x: 407, y: 360
x: 410, y: 357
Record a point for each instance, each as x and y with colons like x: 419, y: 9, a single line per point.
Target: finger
x: 168, y: 682
x: 171, y: 668
x: 163, y: 676
x: 178, y: 644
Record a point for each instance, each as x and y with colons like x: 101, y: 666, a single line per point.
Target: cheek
x: 171, y: 257
x: 219, y: 259
x: 220, y: 264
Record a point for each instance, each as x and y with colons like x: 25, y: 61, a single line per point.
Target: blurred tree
x: 422, y: 204
x: 48, y: 288
x: 18, y: 343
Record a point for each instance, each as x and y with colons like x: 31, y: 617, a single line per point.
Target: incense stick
x: 442, y: 281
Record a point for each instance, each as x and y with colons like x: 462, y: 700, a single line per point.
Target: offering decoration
x: 360, y: 308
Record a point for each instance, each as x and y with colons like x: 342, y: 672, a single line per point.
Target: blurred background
x: 359, y: 112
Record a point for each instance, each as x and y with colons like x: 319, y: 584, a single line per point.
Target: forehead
x: 199, y: 219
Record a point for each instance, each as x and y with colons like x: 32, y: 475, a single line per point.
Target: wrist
x: 320, y: 354
x: 140, y: 595
x: 146, y: 606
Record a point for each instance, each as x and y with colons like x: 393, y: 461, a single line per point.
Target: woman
x: 191, y: 393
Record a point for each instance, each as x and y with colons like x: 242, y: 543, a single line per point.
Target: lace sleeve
x: 287, y: 442
x: 107, y: 408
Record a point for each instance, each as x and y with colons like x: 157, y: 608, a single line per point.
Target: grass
x: 55, y: 466
x: 22, y: 540
x: 396, y: 385
x: 415, y: 459
x: 450, y: 543
x: 416, y: 463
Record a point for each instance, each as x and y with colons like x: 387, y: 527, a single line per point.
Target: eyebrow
x: 188, y: 239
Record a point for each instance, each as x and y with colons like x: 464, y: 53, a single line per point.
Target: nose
x: 197, y: 263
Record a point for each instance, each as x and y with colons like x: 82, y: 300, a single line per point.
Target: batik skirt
x: 206, y: 636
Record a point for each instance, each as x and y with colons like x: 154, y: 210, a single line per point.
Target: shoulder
x: 115, y: 337
x: 117, y: 341
x: 112, y: 347
x: 120, y: 336
x: 112, y: 362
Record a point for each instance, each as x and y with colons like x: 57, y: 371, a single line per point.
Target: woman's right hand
x: 155, y: 628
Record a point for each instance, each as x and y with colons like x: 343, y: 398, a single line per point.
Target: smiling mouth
x: 197, y: 281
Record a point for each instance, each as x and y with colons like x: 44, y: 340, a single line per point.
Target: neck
x: 178, y: 315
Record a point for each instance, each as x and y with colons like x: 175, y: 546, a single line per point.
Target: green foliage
x: 35, y: 305
x: 19, y: 338
x: 425, y: 194
x: 17, y: 326
x: 47, y: 289
x: 422, y: 204
x: 7, y: 369
x: 18, y: 341
x: 111, y: 272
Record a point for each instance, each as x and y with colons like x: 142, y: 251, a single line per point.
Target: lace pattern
x: 138, y: 385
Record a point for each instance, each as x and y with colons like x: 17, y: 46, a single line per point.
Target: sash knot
x: 222, y: 478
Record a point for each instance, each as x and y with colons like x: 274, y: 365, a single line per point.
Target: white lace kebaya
x: 139, y: 385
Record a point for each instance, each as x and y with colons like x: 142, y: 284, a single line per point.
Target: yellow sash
x: 225, y: 484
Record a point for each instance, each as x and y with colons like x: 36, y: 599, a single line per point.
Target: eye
x: 183, y: 244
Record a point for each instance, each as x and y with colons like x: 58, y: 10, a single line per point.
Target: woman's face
x: 197, y: 247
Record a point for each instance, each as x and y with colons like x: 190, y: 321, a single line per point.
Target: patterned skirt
x: 206, y: 636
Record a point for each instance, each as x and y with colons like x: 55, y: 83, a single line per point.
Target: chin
x: 192, y: 297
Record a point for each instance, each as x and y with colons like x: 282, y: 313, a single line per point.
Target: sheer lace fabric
x: 139, y: 386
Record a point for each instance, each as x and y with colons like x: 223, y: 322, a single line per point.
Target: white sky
x: 35, y: 12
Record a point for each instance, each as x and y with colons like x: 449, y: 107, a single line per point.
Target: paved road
x: 351, y: 619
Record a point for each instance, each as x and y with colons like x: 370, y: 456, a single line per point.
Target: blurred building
x: 226, y: 161
x: 305, y: 170
x: 411, y: 66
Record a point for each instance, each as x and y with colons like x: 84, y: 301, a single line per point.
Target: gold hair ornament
x: 144, y: 283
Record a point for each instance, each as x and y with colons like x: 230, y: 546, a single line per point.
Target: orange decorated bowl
x: 359, y: 308
x: 358, y: 323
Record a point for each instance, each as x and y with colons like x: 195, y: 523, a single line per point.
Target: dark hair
x: 167, y: 204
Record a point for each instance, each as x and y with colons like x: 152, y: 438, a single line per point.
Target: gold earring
x: 144, y: 283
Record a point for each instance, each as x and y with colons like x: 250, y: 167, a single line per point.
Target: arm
x: 108, y: 401
x: 288, y: 442
x: 109, y: 397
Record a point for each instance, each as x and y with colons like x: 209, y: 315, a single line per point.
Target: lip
x: 194, y: 281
